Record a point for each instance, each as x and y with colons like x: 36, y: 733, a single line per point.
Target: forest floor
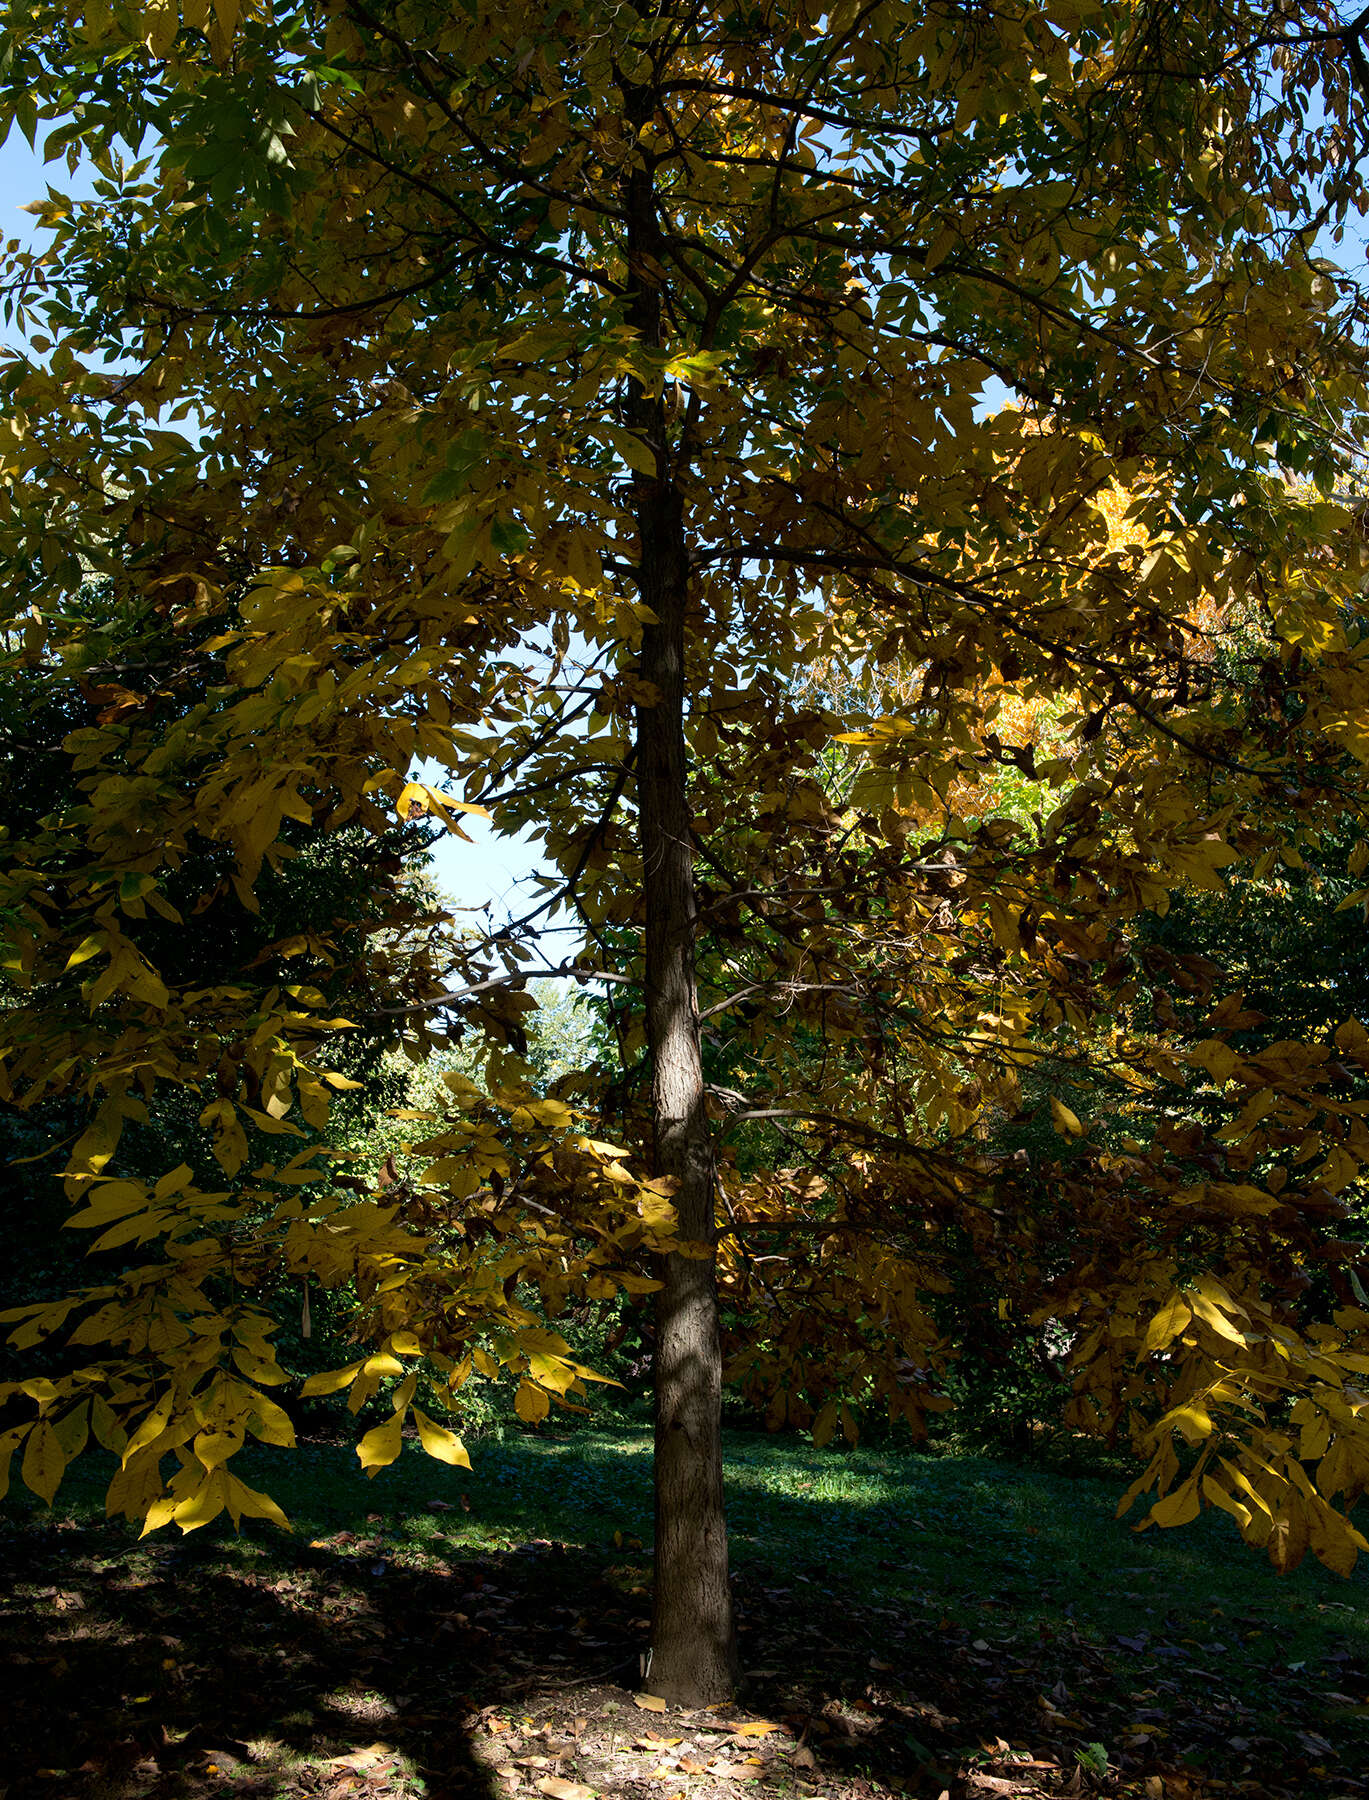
x: 909, y: 1625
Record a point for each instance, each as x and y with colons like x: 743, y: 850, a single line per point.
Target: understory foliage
x: 872, y: 491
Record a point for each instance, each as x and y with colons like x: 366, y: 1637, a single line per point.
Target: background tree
x: 563, y: 387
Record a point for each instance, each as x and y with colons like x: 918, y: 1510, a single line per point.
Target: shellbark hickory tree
x: 873, y: 489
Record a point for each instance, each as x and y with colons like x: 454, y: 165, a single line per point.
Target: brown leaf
x: 652, y: 1702
x: 362, y: 1759
x: 564, y: 1790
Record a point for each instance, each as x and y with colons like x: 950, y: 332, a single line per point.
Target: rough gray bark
x: 692, y: 1642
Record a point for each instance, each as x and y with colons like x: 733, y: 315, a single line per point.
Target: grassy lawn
x: 909, y: 1623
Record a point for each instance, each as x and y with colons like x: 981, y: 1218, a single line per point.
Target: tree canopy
x: 874, y: 489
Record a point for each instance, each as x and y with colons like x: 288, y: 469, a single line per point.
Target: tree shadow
x: 215, y: 1666
x: 369, y: 1661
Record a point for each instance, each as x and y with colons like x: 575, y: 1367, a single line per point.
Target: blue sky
x: 25, y: 177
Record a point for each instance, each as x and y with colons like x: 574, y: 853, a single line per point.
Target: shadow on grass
x: 248, y: 1668
x: 905, y: 1626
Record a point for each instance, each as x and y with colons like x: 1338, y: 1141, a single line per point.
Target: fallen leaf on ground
x: 753, y: 1727
x: 362, y: 1759
x: 652, y: 1702
x: 564, y: 1790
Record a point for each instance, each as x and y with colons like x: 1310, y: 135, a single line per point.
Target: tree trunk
x: 692, y: 1643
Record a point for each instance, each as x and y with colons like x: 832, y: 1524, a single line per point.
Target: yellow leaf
x: 109, y: 1200
x: 1218, y: 1058
x: 212, y: 1448
x: 1213, y: 1316
x: 941, y: 247
x: 1168, y: 1323
x: 243, y: 1499
x: 161, y: 21
x: 1334, y: 1540
x: 557, y: 1789
x: 382, y: 1445
x: 9, y: 1443
x: 637, y: 455
x: 230, y: 1140
x: 88, y: 947
x: 445, y: 1445
x: 551, y: 1371
x: 1219, y: 1497
x: 650, y: 1702
x: 531, y: 1404
x: 1245, y: 1485
x: 161, y: 1512
x: 73, y: 1429
x: 258, y: 1368
x: 1192, y: 1420
x: 1177, y: 1508
x: 204, y: 1503
x: 1065, y: 1121
x: 270, y: 1422
x: 329, y: 1381
x: 151, y: 1428
x: 44, y: 1462
x: 1290, y: 1533
x: 173, y: 1182
x: 109, y: 1433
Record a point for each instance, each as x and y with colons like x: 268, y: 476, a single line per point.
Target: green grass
x: 943, y: 1604
x: 968, y: 1537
